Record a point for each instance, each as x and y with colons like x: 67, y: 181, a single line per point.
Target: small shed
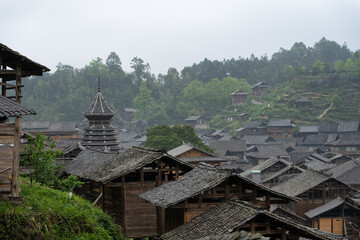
x: 303, y: 103
x: 239, y: 98
x: 336, y: 216
x: 260, y: 89
x: 195, y: 120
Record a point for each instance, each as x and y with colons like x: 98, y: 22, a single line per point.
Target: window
x: 351, y: 149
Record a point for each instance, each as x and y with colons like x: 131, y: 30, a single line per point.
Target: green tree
x: 113, y: 62
x: 163, y: 137
x: 42, y: 158
x: 144, y: 102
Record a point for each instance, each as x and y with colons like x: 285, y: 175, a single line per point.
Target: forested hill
x: 201, y: 89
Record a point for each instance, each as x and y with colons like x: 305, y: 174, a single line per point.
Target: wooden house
x: 252, y: 128
x: 348, y: 172
x: 336, y: 216
x: 273, y: 171
x: 259, y: 89
x: 303, y: 103
x: 13, y: 67
x: 314, y: 188
x: 54, y: 130
x: 129, y: 114
x: 260, y: 153
x: 195, y: 155
x: 195, y: 121
x: 203, y: 188
x: 9, y: 140
x: 232, y: 216
x: 280, y: 128
x: 239, y: 98
x: 229, y: 147
x: 308, y: 130
x: 346, y: 144
x: 114, y: 181
x: 257, y: 139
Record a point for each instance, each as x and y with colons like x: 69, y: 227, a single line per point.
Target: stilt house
x: 203, y: 188
x: 116, y: 179
x: 13, y: 67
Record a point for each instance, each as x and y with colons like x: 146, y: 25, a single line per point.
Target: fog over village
x: 180, y: 120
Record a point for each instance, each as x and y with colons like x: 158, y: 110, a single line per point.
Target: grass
x: 46, y: 213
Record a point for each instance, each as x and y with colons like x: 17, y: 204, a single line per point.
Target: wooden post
x: 123, y: 209
x: 267, y: 201
x: 283, y: 233
x: 142, y: 177
x: 252, y: 226
x: 159, y: 179
x: 16, y: 152
x: 3, y: 88
x: 177, y: 171
x: 254, y: 195
x: 227, y: 189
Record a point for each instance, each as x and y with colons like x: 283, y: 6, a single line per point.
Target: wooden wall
x: 6, y: 155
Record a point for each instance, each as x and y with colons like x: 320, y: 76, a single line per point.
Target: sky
x: 171, y: 33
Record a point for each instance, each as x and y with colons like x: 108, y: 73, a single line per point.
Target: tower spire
x: 99, y: 83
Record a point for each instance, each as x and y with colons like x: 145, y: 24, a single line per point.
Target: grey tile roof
x: 200, y: 179
x: 346, y: 139
x: 309, y: 129
x: 268, y: 151
x: 254, y: 124
x: 183, y: 149
x: 193, y: 118
x: 86, y: 160
x: 11, y: 57
x: 351, y: 177
x: 10, y: 108
x: 324, y: 208
x: 125, y: 162
x: 192, y: 183
x: 36, y: 125
x: 328, y: 128
x: 264, y: 165
x: 303, y: 99
x: 301, y: 183
x: 279, y: 123
x: 349, y: 126
x: 99, y: 107
x: 278, y: 173
x: 342, y: 168
x: 260, y: 84
x: 132, y: 110
x: 221, y: 147
x: 315, y: 140
x: 229, y: 215
x: 48, y: 126
x: 256, y: 139
x: 62, y: 127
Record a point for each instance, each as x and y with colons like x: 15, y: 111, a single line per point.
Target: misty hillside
x: 325, y: 73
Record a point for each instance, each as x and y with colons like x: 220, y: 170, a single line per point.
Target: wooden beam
x: 123, y: 207
x: 16, y: 160
x: 142, y: 176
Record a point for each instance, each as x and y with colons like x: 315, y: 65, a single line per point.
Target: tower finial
x: 99, y: 83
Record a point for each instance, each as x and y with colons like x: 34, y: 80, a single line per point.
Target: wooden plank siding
x: 6, y: 155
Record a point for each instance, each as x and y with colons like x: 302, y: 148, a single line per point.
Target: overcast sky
x: 171, y: 33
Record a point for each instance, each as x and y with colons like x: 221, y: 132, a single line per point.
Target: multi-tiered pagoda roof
x: 100, y: 134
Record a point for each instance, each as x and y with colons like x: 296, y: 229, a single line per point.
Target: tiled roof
x: 99, y: 107
x: 193, y: 118
x: 346, y: 139
x: 268, y: 151
x: 301, y: 183
x: 183, y: 149
x: 11, y: 57
x: 123, y: 163
x: 254, y: 124
x: 328, y: 128
x: 343, y: 168
x: 221, y: 147
x: 303, y: 99
x: 350, y: 126
x: 256, y: 139
x: 200, y: 179
x: 324, y: 208
x: 279, y: 123
x: 10, y: 108
x: 309, y: 129
x: 229, y: 215
x: 264, y: 165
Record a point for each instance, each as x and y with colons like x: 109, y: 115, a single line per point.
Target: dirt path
x: 326, y: 110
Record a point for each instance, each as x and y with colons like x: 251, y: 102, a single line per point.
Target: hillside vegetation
x: 200, y: 89
x: 45, y: 213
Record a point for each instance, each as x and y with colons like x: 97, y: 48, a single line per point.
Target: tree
x: 42, y: 158
x: 144, y: 102
x: 163, y: 137
x: 113, y: 62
